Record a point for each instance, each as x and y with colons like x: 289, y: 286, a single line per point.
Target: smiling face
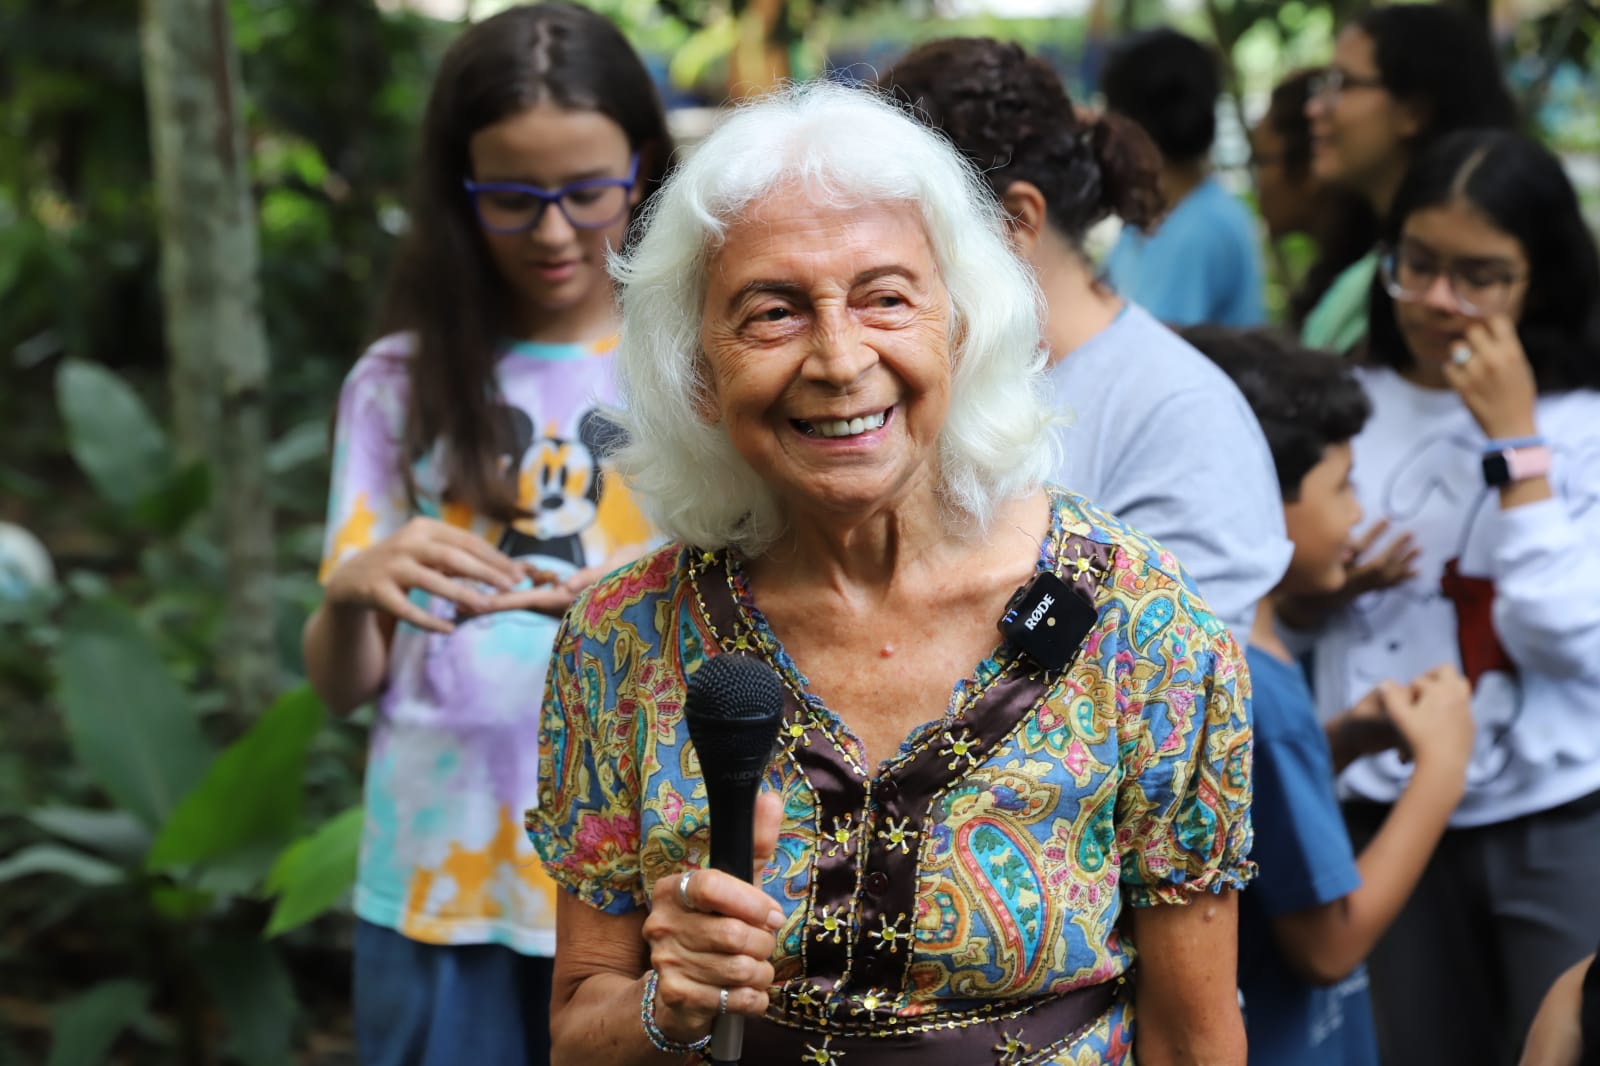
x: 556, y: 271
x: 826, y: 337
x: 1360, y: 134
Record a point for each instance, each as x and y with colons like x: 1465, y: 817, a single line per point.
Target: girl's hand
x: 1495, y: 382
x: 722, y: 939
x: 551, y: 595
x: 423, y: 554
x: 1394, y: 565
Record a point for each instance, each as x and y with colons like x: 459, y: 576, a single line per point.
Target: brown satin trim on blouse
x: 1019, y: 1036
x: 870, y: 830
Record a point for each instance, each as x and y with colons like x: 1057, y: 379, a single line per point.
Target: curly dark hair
x: 1009, y: 114
x: 1305, y: 400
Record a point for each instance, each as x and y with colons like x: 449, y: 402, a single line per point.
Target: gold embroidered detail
x: 961, y: 745
x: 822, y: 1056
x: 1081, y: 565
x: 834, y: 922
x: 870, y: 1001
x: 840, y: 837
x: 891, y: 934
x: 806, y: 998
x: 1012, y: 1050
x: 898, y: 836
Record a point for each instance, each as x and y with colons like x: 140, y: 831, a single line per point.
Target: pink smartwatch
x: 1511, y: 465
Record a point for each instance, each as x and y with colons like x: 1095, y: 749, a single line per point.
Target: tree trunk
x: 217, y: 350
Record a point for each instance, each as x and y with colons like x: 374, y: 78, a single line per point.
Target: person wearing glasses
x: 471, y: 500
x: 1484, y: 445
x: 1401, y: 77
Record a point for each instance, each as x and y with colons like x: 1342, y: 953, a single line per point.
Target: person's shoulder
x: 628, y: 596
x: 1135, y: 564
x: 1283, y: 711
x: 385, y: 364
x: 1160, y: 367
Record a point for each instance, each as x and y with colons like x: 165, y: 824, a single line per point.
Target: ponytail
x: 1130, y: 170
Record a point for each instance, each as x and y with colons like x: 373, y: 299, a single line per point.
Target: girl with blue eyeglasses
x: 471, y: 500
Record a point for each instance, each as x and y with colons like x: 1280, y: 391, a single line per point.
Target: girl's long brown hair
x: 445, y: 289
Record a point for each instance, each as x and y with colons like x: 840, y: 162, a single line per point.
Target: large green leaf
x: 256, y: 995
x: 127, y: 718
x: 64, y: 862
x: 315, y: 872
x: 111, y: 434
x: 86, y: 1027
x: 117, y: 834
x: 251, y: 795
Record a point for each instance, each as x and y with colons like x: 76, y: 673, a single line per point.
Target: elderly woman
x: 831, y: 364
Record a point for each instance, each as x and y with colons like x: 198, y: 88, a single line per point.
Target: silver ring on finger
x: 722, y: 1002
x: 683, y: 891
x: 1461, y: 354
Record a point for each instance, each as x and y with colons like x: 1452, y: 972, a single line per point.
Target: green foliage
x: 250, y: 795
x: 86, y: 1027
x: 313, y: 873
x: 129, y: 721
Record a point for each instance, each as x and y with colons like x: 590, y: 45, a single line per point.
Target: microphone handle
x: 733, y: 827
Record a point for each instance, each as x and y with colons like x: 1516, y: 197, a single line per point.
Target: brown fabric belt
x: 1032, y: 1036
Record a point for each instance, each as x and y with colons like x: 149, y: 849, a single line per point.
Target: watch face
x: 1496, y: 471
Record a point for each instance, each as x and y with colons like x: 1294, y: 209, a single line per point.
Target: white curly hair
x: 841, y: 147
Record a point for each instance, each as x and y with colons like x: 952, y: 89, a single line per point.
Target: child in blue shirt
x: 1316, y: 910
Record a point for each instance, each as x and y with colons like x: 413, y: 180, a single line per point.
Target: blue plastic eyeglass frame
x: 473, y: 188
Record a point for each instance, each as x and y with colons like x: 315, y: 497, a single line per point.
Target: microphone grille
x: 732, y: 688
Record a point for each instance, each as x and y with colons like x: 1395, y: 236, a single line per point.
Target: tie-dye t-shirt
x: 453, y: 758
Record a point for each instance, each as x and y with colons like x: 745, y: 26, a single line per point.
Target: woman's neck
x: 896, y: 546
x: 592, y: 319
x: 1381, y: 189
x: 1080, y: 307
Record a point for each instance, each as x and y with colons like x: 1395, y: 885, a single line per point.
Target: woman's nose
x: 839, y: 352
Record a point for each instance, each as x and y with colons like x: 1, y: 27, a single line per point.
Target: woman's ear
x: 1025, y: 209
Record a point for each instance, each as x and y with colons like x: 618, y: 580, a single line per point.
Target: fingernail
x: 775, y: 920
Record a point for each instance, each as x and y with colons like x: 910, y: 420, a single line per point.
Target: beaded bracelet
x: 662, y: 1042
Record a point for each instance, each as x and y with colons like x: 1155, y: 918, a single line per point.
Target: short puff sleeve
x: 1183, y: 805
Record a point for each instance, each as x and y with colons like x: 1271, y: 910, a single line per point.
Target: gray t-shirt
x: 1156, y: 434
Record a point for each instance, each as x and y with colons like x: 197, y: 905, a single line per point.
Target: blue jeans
x: 431, y: 1005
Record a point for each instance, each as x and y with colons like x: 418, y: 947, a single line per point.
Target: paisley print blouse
x: 971, y: 879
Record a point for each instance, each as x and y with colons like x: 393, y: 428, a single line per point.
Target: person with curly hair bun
x: 1135, y: 396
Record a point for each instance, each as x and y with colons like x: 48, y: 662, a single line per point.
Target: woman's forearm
x: 347, y: 655
x: 600, y: 1023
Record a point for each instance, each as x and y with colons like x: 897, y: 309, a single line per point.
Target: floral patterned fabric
x: 978, y: 874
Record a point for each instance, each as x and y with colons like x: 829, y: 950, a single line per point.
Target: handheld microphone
x: 734, y: 708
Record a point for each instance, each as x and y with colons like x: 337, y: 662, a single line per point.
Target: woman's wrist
x: 659, y: 1039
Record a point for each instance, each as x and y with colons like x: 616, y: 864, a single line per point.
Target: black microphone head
x: 733, y: 711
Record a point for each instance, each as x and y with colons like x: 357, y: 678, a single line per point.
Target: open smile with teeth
x: 843, y: 427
